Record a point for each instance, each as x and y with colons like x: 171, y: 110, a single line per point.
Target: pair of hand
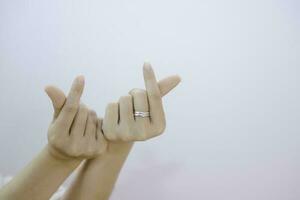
x: 77, y: 132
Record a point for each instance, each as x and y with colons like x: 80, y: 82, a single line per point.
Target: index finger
x: 72, y: 103
x: 150, y: 81
x: 154, y: 95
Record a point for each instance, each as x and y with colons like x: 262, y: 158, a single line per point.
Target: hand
x: 119, y: 123
x: 75, y: 131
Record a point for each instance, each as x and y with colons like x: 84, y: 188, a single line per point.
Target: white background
x: 233, y: 123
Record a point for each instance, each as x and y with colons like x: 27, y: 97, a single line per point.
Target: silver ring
x: 141, y: 114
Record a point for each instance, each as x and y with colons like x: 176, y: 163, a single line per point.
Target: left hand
x: 75, y: 132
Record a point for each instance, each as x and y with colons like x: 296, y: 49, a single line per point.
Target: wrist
x: 119, y: 148
x: 57, y: 156
x: 115, y: 152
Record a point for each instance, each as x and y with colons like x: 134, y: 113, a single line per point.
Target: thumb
x: 167, y: 84
x: 57, y: 97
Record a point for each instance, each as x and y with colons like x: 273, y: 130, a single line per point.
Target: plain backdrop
x: 233, y: 124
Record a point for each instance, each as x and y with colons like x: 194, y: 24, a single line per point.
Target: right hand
x: 120, y: 124
x: 75, y: 132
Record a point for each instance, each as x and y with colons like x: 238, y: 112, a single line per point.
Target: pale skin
x: 99, y: 171
x: 97, y: 177
x: 120, y: 125
x: 74, y: 134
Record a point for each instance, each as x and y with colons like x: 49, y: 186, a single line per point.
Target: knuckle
x: 125, y: 98
x: 139, y: 93
x: 112, y: 104
x: 142, y: 92
x: 134, y: 90
x: 93, y: 114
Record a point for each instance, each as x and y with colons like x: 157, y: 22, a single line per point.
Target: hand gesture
x: 139, y: 115
x: 75, y: 131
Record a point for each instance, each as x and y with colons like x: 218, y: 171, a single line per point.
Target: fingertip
x: 147, y: 61
x: 147, y: 66
x: 80, y: 81
x: 76, y: 90
x: 168, y: 84
x: 149, y: 75
x: 178, y: 78
x: 46, y: 89
x: 49, y: 91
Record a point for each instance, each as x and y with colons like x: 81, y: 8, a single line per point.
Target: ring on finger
x: 141, y: 114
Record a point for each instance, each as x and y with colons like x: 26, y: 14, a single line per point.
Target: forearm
x: 96, y: 178
x: 39, y: 179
